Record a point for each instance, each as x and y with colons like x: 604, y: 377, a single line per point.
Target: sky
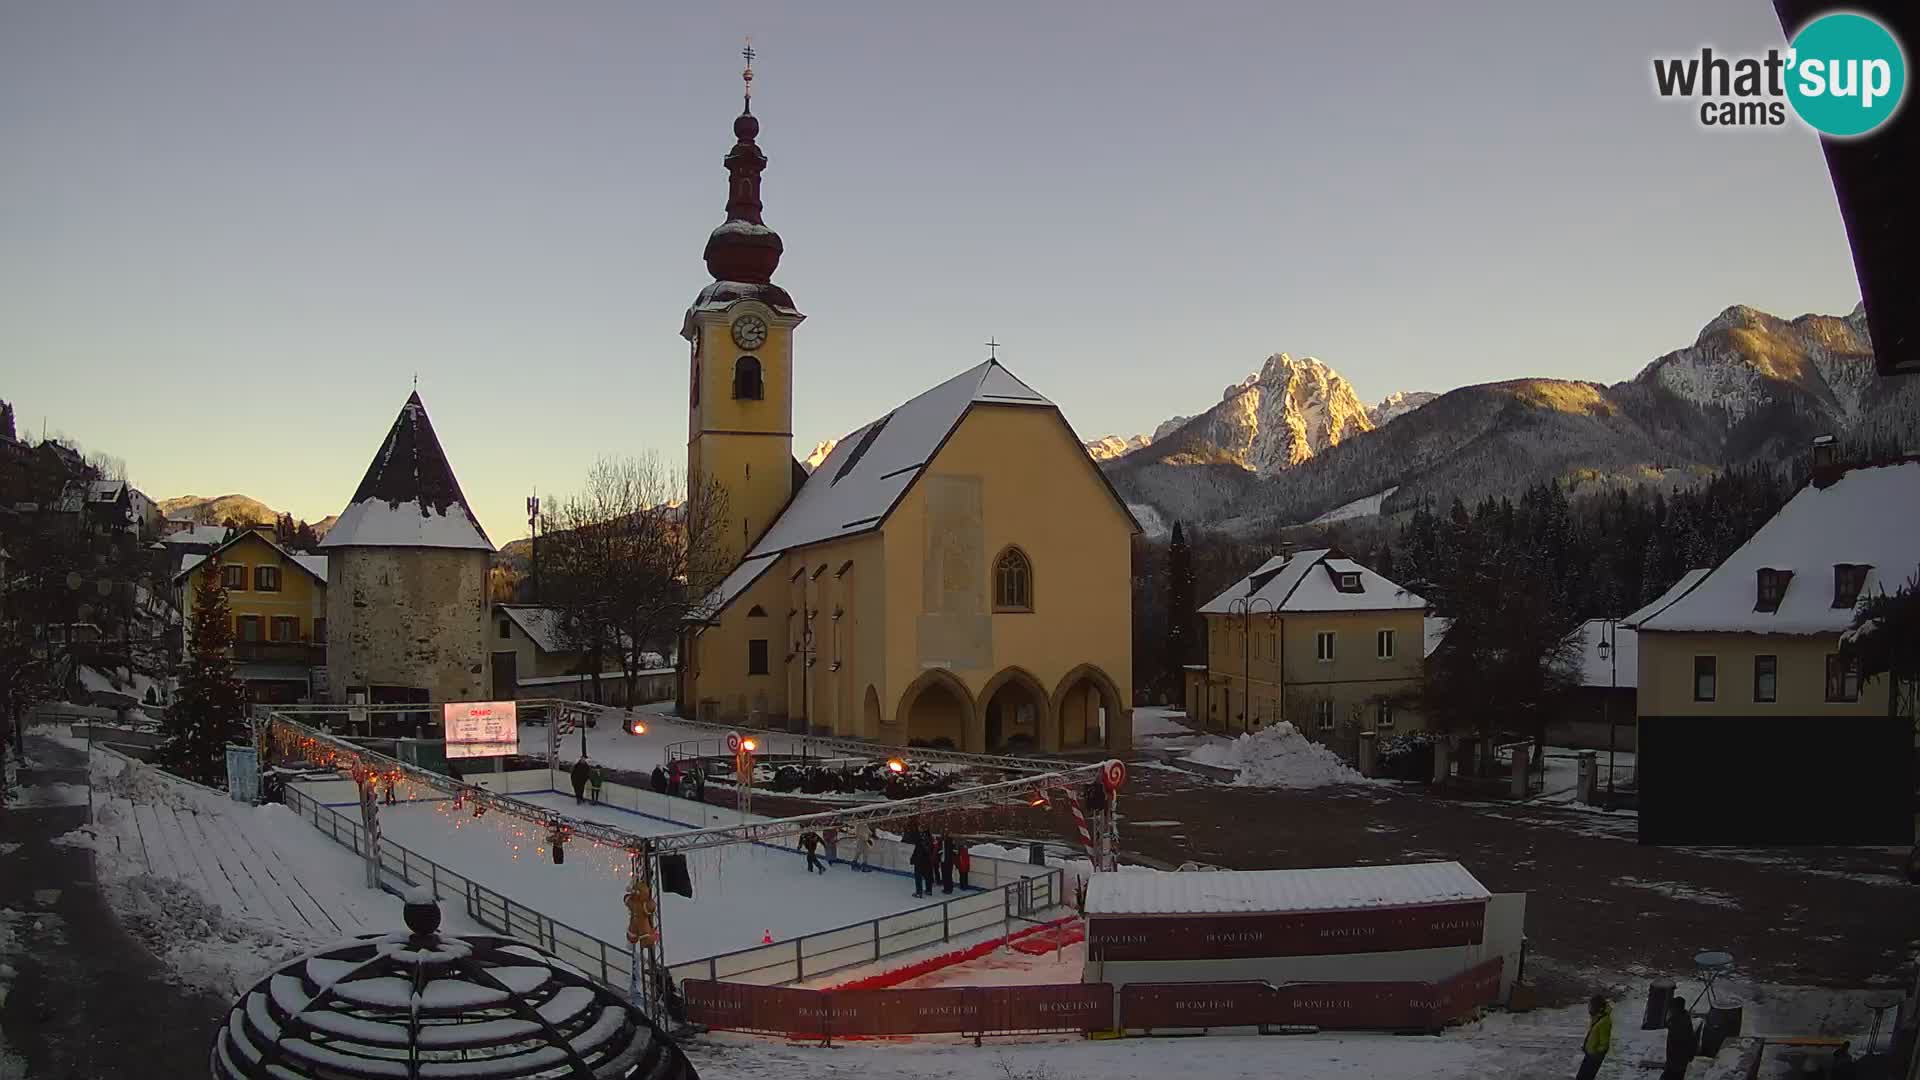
x: 232, y: 233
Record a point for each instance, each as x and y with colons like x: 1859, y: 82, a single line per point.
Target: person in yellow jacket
x: 1599, y: 1038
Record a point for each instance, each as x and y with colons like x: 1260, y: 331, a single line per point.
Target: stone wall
x: 408, y: 617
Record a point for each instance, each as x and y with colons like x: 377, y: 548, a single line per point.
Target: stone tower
x: 407, y: 578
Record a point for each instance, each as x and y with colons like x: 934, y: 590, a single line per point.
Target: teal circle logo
x: 1846, y: 74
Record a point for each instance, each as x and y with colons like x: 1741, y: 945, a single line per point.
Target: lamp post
x: 1610, y: 652
x: 1244, y: 607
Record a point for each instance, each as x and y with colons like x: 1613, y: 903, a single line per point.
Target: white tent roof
x: 1140, y: 892
x: 1301, y: 582
x: 1869, y: 516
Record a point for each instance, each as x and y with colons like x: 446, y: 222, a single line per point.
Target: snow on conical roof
x: 409, y: 497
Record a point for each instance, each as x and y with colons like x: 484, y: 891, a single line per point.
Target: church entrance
x: 936, y: 711
x: 1088, y: 706
x: 1016, y: 706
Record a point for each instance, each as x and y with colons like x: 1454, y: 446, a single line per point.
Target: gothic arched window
x: 746, y: 379
x: 1012, y: 581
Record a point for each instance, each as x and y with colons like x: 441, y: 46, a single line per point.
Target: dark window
x: 756, y: 612
x: 266, y: 579
x: 1012, y: 581
x: 1766, y: 678
x: 1323, y: 647
x: 757, y: 656
x: 1383, y: 714
x: 247, y: 627
x: 1383, y: 644
x: 283, y: 628
x: 1843, y: 679
x: 320, y: 631
x: 1349, y: 582
x: 234, y: 578
x: 1705, y: 678
x: 1773, y: 586
x: 506, y: 629
x: 746, y: 379
x: 1323, y: 715
x: 1848, y: 580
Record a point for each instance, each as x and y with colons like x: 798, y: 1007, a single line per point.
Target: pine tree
x: 1180, y: 614
x: 208, y: 711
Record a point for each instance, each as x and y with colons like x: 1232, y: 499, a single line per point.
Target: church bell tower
x: 740, y: 333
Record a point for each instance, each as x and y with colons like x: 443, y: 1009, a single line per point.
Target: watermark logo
x: 1843, y: 75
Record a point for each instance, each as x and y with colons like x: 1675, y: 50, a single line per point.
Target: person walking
x: 963, y: 862
x: 811, y: 842
x: 1599, y: 1038
x: 833, y: 846
x: 1681, y: 1041
x: 582, y: 772
x: 599, y: 780
x: 862, y: 846
x: 947, y: 856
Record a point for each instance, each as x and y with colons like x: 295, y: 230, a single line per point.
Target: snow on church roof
x: 409, y: 496
x: 1339, y: 888
x: 1869, y: 516
x: 1301, y: 582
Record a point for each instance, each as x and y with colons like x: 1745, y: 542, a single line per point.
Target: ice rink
x: 741, y: 892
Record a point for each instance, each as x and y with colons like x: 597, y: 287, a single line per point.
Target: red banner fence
x: 1005, y: 1010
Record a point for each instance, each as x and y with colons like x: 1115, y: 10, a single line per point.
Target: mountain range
x: 217, y: 509
x: 1293, y: 443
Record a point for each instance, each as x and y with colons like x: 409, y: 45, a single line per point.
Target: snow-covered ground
x: 219, y: 890
x: 1277, y: 756
x: 742, y: 892
x: 1365, y: 506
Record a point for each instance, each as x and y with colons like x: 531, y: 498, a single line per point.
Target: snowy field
x: 220, y: 890
x: 742, y: 892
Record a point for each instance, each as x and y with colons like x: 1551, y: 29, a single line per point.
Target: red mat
x: 1051, y: 938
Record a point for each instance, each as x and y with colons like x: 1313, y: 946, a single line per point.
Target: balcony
x: 306, y: 653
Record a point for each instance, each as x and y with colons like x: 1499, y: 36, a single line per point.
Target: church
x: 956, y: 573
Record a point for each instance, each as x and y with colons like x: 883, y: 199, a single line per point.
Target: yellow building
x: 279, y: 605
x: 956, y: 572
x: 1759, y: 635
x: 1315, y: 639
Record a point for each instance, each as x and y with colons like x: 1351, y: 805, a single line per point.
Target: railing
x: 1000, y: 891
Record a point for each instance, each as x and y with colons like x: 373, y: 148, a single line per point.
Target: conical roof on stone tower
x: 409, y: 497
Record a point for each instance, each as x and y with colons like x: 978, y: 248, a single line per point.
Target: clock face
x: 749, y: 332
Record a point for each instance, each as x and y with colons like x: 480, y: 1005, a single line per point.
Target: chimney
x: 1825, y: 459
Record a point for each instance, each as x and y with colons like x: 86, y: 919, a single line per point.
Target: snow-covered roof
x: 409, y: 496
x: 1660, y: 603
x: 1620, y: 669
x: 105, y: 491
x: 197, y: 534
x: 738, y: 581
x: 1305, y: 581
x: 1161, y: 892
x: 1868, y: 517
x: 856, y: 487
x: 1436, y: 632
x: 312, y: 564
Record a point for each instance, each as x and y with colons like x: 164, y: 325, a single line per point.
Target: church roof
x: 868, y: 472
x: 409, y: 496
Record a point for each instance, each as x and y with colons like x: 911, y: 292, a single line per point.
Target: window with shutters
x: 266, y: 579
x: 246, y: 628
x: 234, y: 577
x: 283, y: 628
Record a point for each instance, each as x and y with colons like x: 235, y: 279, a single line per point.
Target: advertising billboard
x: 481, y: 728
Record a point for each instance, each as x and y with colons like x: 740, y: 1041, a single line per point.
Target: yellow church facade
x: 955, y: 573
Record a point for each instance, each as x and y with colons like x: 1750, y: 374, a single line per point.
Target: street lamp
x: 1244, y: 607
x: 1610, y: 652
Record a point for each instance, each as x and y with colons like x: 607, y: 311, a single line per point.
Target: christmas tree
x: 208, y: 712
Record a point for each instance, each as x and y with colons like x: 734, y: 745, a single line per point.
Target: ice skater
x: 833, y: 846
x: 963, y: 862
x: 582, y: 772
x: 599, y: 777
x: 811, y: 842
x: 947, y: 857
x: 862, y: 846
x: 922, y: 865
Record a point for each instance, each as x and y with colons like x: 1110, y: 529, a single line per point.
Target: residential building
x: 278, y: 601
x: 534, y: 657
x: 955, y: 572
x: 1318, y: 640
x: 407, y: 566
x: 1759, y: 634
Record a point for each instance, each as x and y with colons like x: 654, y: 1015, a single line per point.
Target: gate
x: 243, y: 774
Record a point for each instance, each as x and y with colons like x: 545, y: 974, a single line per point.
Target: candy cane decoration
x: 1080, y: 824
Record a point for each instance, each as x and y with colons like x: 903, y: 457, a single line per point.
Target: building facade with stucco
x: 956, y: 572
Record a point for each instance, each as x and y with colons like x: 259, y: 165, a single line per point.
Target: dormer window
x: 1772, y: 588
x: 1848, y: 580
x: 746, y: 379
x: 1349, y: 582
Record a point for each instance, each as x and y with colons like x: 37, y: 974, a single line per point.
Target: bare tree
x: 629, y: 557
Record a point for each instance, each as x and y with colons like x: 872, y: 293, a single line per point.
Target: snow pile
x: 1278, y: 756
x: 204, y: 945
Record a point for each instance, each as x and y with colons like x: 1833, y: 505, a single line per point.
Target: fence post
x: 799, y: 961
x: 433, y: 869
x: 603, y: 961
x: 876, y: 941
x: 946, y: 925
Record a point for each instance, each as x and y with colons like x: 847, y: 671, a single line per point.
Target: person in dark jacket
x: 922, y: 865
x: 811, y: 842
x: 947, y: 858
x: 581, y: 773
x: 659, y: 779
x: 1681, y: 1041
